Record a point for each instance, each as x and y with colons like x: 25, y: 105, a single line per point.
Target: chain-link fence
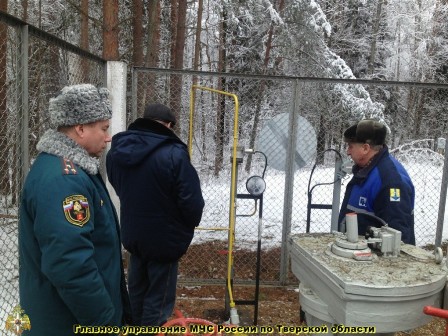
x: 297, y: 123
x: 34, y: 66
x: 300, y: 192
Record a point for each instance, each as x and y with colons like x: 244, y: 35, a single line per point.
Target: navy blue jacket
x: 159, y: 190
x: 383, y: 189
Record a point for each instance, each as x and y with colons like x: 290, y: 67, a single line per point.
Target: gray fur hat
x: 79, y: 104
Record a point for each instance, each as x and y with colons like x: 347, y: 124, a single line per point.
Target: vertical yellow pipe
x: 232, y: 204
x: 233, y: 182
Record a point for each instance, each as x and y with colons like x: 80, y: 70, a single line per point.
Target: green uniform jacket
x: 69, y: 247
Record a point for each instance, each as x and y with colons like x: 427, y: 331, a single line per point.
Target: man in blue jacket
x: 161, y: 204
x: 380, y: 185
x: 71, y: 270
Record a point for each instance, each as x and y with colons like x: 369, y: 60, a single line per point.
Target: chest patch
x: 363, y: 201
x: 76, y: 210
x: 394, y: 195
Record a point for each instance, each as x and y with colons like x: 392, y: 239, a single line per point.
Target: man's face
x: 358, y: 152
x: 95, y: 137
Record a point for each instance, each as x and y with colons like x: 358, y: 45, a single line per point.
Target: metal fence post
x: 336, y: 194
x: 289, y: 181
x: 134, y: 91
x: 22, y: 104
x: 442, y: 202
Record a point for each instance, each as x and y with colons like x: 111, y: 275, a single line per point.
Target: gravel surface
x: 276, y: 306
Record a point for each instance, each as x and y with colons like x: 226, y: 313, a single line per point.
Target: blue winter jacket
x: 159, y: 190
x: 383, y: 189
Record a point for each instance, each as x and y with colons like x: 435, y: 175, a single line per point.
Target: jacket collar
x: 57, y: 143
x: 143, y: 124
x: 365, y: 171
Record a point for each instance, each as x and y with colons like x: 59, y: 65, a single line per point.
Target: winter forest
x: 382, y: 40
x: 256, y: 49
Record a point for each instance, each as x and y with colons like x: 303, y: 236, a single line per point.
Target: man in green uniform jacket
x: 71, y: 270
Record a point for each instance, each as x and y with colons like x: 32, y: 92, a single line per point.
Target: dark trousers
x: 152, y: 290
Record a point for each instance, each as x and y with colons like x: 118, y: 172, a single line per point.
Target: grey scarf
x: 57, y: 143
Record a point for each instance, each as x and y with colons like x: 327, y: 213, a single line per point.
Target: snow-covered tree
x: 391, y: 40
x: 307, y: 53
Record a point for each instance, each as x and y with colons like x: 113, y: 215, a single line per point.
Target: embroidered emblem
x: 17, y: 321
x: 394, y: 195
x: 68, y: 168
x: 363, y: 201
x: 76, y: 209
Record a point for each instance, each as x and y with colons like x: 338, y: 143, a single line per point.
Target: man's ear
x: 366, y: 146
x: 79, y: 130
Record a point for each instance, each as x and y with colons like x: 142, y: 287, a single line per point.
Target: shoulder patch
x: 76, y: 210
x: 394, y: 195
x: 68, y: 168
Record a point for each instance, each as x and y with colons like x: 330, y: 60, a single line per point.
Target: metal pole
x: 442, y: 202
x: 258, y: 267
x: 134, y: 93
x: 23, y: 106
x: 289, y: 182
x: 336, y: 194
x: 308, y: 211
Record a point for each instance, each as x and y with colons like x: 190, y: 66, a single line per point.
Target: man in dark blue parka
x: 161, y: 204
x: 380, y: 185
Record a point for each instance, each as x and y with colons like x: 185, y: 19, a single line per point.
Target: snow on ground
x: 427, y: 181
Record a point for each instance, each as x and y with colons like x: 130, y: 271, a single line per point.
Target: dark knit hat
x: 79, y: 104
x: 159, y: 112
x: 368, y: 131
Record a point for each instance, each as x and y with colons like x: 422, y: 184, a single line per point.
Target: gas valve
x: 385, y: 239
